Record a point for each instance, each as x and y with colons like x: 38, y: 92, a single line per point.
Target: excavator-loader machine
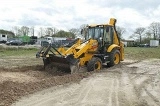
x: 101, y: 46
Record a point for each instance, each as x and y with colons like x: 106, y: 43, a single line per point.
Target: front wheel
x: 114, y: 58
x: 94, y: 64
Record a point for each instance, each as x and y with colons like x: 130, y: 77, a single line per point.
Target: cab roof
x: 96, y: 25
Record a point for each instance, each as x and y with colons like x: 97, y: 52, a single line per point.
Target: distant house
x: 129, y: 43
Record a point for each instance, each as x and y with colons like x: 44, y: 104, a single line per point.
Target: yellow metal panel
x: 121, y: 51
x: 115, y: 39
x: 112, y: 21
x: 112, y: 47
x: 61, y: 50
x: 85, y: 59
x: 85, y: 47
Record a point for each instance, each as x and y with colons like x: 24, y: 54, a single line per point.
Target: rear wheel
x: 114, y: 58
x: 94, y: 64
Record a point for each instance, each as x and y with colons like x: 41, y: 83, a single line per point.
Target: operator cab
x: 104, y: 34
x: 101, y: 33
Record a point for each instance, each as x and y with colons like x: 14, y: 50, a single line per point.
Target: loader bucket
x: 67, y: 64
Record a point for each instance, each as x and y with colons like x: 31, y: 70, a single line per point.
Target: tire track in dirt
x: 85, y: 91
x: 117, y: 91
x: 156, y: 101
x: 128, y: 96
x: 111, y: 92
x: 114, y: 90
x: 91, y: 91
x: 122, y: 85
x: 141, y: 79
x: 140, y: 89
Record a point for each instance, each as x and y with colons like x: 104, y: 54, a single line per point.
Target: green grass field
x: 140, y: 53
x: 130, y: 52
x: 11, y: 57
x: 17, y: 51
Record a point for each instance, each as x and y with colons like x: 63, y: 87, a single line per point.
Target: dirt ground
x: 131, y: 83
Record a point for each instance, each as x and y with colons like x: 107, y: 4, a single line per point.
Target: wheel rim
x: 116, y: 58
x: 98, y: 65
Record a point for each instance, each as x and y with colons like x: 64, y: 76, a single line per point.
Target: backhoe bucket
x: 53, y: 57
x: 67, y: 64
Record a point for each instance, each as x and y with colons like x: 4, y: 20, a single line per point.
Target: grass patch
x: 141, y: 53
x: 17, y: 51
x: 130, y: 52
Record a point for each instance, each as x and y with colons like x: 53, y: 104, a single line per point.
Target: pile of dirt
x: 12, y: 90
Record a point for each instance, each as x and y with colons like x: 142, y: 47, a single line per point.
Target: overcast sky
x: 67, y: 14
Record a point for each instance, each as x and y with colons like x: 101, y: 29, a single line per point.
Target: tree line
x: 145, y: 34
x: 49, y: 31
x: 42, y: 32
x: 140, y: 34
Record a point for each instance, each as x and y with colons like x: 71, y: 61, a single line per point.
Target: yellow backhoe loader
x: 101, y: 46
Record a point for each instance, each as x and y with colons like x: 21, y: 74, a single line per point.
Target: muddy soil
x: 18, y: 82
x: 131, y: 83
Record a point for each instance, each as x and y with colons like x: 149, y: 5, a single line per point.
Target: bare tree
x: 83, y: 26
x: 48, y: 31
x: 139, y: 32
x: 16, y: 30
x: 120, y: 31
x: 31, y: 30
x: 148, y: 34
x: 55, y: 30
x: 84, y: 30
x: 41, y: 32
x: 155, y: 29
x: 75, y: 31
x: 24, y: 30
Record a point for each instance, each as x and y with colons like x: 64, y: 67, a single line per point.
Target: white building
x: 3, y: 38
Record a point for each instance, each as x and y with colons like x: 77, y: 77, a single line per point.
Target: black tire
x: 114, y: 58
x: 94, y: 64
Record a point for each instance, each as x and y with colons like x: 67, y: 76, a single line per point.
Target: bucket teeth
x: 74, y: 68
